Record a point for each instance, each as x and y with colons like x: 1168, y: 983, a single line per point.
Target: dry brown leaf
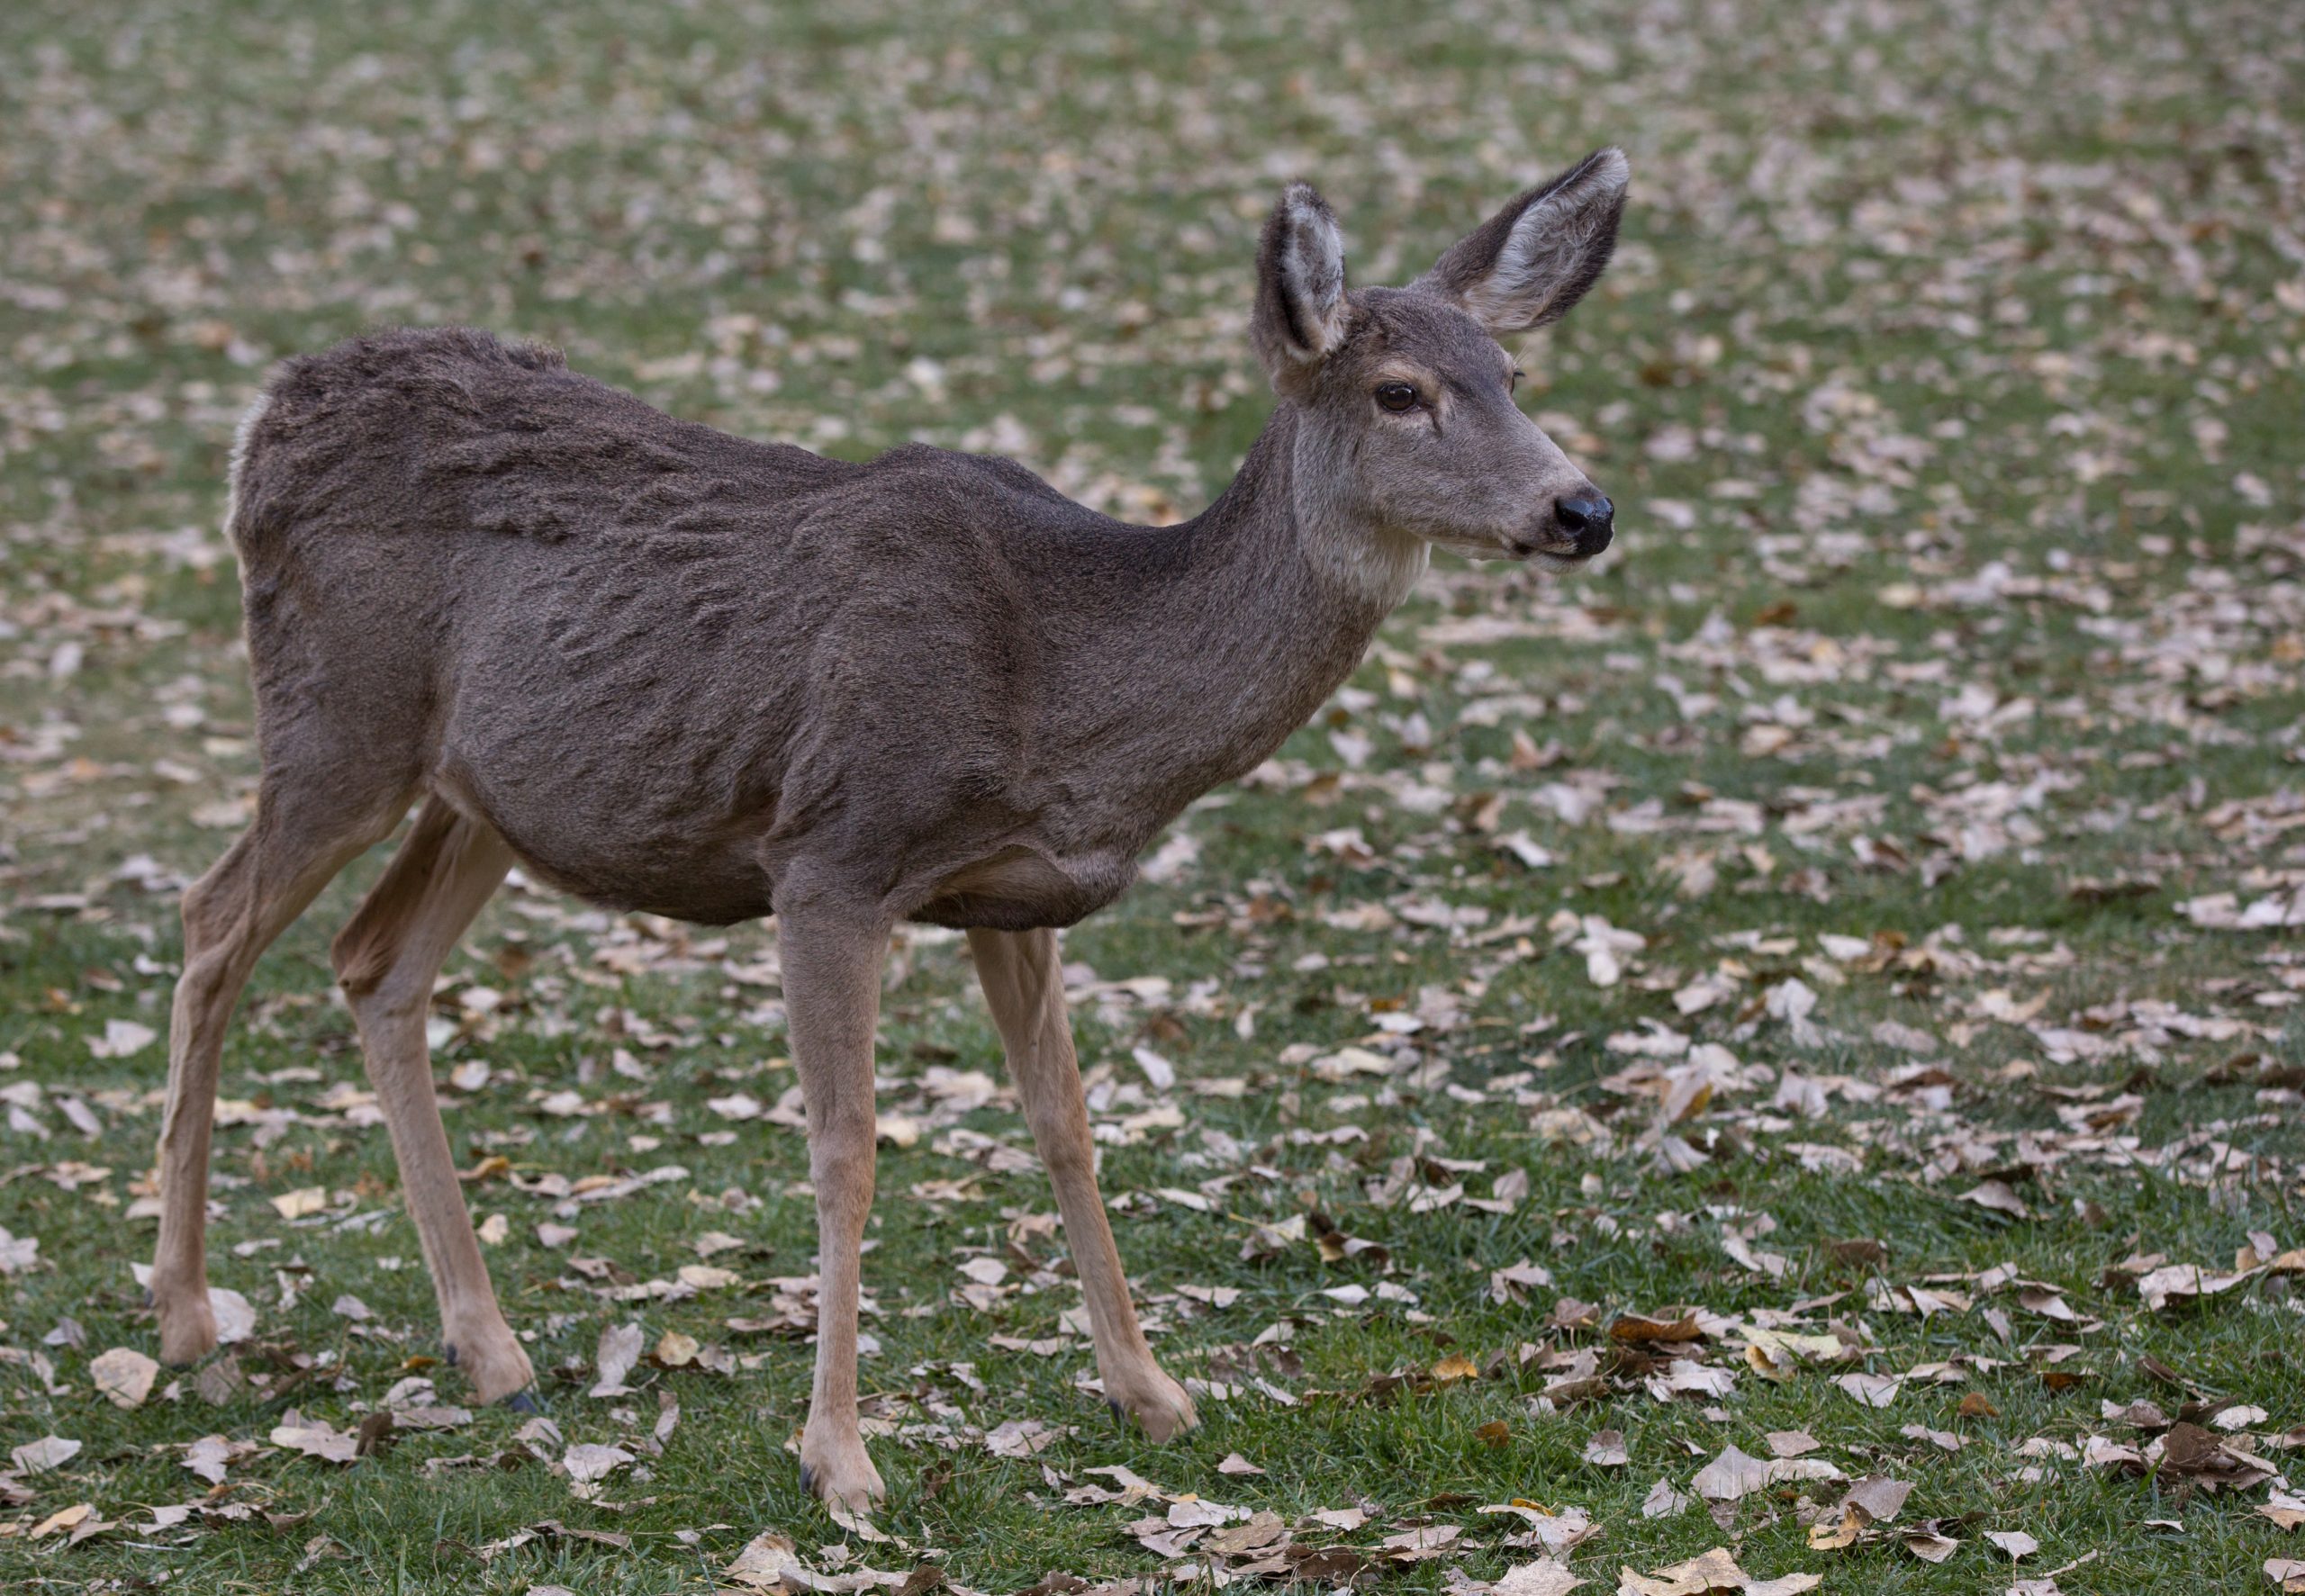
x: 51, y: 1451
x: 314, y: 1438
x: 124, y: 1376
x: 1714, y: 1571
x: 1731, y: 1475
x: 2284, y: 1508
x: 588, y: 1461
x: 618, y: 1352
x: 1606, y: 1450
x: 1545, y: 1577
x: 1929, y: 1545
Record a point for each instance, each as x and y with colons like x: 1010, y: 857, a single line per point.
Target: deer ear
x: 1528, y: 264
x: 1300, y: 313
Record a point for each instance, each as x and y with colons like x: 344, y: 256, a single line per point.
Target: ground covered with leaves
x: 1768, y: 1066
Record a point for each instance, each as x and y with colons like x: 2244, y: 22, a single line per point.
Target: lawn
x: 1673, y: 1056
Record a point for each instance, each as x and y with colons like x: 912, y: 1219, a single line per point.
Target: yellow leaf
x: 63, y: 1519
x: 296, y: 1205
x: 1827, y: 1535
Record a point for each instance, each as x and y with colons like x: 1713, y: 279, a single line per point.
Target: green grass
x: 1950, y: 353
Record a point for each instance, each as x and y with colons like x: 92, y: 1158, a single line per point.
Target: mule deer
x: 670, y: 670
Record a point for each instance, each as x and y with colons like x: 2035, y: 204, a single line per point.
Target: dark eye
x: 1397, y: 397
x: 1515, y: 385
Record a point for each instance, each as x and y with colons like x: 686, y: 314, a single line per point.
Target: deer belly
x: 705, y: 879
x: 1021, y: 890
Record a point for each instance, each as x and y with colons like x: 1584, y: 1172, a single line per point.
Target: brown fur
x: 671, y: 670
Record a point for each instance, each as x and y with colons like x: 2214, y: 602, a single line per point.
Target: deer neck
x: 1245, y: 621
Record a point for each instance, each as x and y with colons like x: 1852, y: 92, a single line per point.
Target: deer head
x: 1407, y: 435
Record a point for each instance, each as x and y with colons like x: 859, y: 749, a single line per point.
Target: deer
x: 677, y: 671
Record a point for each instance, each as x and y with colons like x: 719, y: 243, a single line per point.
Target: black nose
x: 1587, y: 519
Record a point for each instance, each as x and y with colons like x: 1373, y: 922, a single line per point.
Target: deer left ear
x: 1530, y: 262
x: 1300, y: 313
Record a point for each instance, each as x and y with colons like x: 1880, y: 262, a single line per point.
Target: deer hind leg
x: 386, y: 959
x: 832, y: 960
x: 1024, y: 985
x: 231, y: 915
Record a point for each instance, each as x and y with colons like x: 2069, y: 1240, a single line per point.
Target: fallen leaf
x: 2284, y: 1508
x: 235, y: 1315
x: 1877, y: 1497
x: 69, y: 1517
x: 1415, y: 1546
x: 618, y: 1353
x: 1930, y: 1545
x: 124, y: 1376
x: 208, y: 1457
x: 299, y: 1203
x: 588, y: 1461
x: 1731, y: 1475
x: 1872, y: 1391
x: 1545, y: 1577
x: 765, y: 1561
x: 314, y: 1438
x: 1715, y: 1572
x: 1999, y: 1197
x: 1021, y: 1437
x: 1663, y: 1501
x: 51, y: 1451
x: 122, y: 1039
x: 1606, y: 1450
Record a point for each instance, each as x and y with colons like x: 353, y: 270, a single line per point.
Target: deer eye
x: 1397, y: 397
x: 1515, y: 385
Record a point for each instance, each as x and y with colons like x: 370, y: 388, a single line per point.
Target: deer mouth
x: 1551, y: 554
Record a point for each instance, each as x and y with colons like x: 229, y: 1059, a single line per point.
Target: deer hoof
x: 493, y: 1365
x: 188, y: 1326
x: 523, y: 1401
x: 840, y: 1474
x: 1160, y: 1407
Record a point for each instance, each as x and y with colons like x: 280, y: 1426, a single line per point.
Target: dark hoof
x: 807, y: 1480
x: 448, y: 1354
x: 1120, y: 1412
x: 522, y: 1402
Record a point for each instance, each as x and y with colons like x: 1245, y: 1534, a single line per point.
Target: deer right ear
x: 1300, y: 313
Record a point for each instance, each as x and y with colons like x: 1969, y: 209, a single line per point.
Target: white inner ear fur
x: 1540, y: 255
x: 1312, y: 275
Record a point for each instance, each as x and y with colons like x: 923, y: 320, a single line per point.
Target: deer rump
x: 656, y: 656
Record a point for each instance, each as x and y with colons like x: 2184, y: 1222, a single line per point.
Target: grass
x: 1947, y: 382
